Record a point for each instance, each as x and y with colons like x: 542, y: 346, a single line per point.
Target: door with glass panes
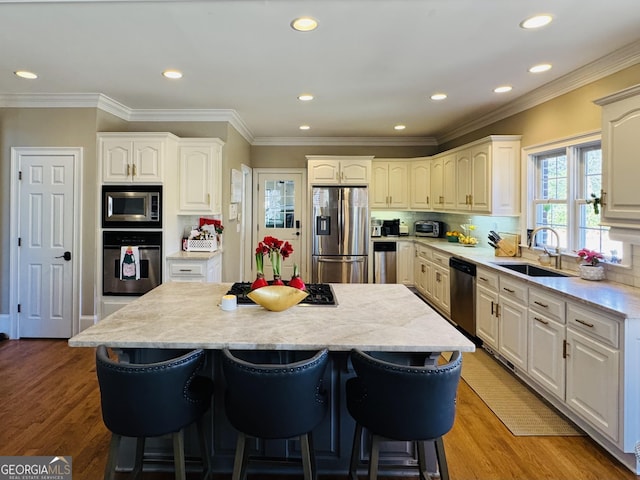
x: 279, y: 213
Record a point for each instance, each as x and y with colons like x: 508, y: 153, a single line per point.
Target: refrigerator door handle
x: 342, y: 260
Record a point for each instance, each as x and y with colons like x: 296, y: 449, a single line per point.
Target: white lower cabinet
x: 513, y: 313
x: 487, y: 319
x: 431, y: 276
x: 195, y: 270
x: 593, y: 369
x: 404, y: 262
x: 546, y: 363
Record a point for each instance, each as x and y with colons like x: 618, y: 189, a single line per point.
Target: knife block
x: 509, y: 245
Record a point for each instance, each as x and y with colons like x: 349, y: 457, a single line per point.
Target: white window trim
x: 529, y: 153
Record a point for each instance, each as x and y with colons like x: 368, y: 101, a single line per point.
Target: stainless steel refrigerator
x: 340, y: 235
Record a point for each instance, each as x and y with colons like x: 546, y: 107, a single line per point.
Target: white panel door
x: 46, y: 233
x: 280, y: 214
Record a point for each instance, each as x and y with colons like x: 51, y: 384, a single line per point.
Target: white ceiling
x: 371, y: 64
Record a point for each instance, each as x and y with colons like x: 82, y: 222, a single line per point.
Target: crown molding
x: 50, y: 100
x: 346, y: 141
x: 620, y: 59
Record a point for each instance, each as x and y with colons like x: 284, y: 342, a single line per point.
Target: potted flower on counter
x: 589, y: 264
x: 277, y: 250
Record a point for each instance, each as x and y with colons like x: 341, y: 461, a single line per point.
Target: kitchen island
x: 372, y: 317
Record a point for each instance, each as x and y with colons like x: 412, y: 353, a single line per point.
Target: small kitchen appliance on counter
x: 404, y: 229
x: 376, y: 228
x: 391, y: 228
x: 428, y: 228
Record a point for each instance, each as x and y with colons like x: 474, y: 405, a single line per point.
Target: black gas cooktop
x: 320, y: 294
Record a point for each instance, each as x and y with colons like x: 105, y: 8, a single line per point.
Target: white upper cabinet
x: 482, y: 177
x: 133, y: 157
x: 620, y: 162
x: 337, y: 170
x: 420, y: 184
x: 389, y: 180
x: 200, y: 172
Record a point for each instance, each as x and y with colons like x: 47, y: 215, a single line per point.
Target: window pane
x: 595, y: 237
x: 279, y: 202
x: 553, y: 176
x: 554, y: 216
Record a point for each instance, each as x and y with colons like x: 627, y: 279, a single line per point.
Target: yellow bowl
x: 277, y: 297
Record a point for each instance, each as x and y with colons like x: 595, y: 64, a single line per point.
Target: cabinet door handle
x: 565, y: 350
x: 422, y: 268
x: 427, y: 199
x: 508, y: 290
x: 337, y: 175
x: 541, y: 304
x: 497, y: 310
x: 603, y: 195
x: 209, y: 198
x: 541, y: 320
x: 492, y: 307
x: 470, y: 199
x: 128, y: 169
x: 586, y: 324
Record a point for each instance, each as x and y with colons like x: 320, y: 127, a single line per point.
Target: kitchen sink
x: 531, y: 270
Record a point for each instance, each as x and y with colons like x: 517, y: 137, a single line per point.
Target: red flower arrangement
x: 590, y: 257
x: 277, y: 250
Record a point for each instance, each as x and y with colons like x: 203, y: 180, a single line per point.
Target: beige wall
x: 42, y: 127
x: 565, y: 116
x: 294, y: 156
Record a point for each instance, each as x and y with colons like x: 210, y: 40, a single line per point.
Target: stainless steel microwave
x: 428, y: 228
x: 132, y: 206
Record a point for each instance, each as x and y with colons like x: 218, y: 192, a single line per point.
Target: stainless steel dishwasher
x: 384, y: 262
x: 463, y: 294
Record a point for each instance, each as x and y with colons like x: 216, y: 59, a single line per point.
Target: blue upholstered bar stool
x: 275, y: 401
x: 151, y: 400
x: 402, y: 402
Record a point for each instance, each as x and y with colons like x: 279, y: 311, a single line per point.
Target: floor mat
x: 521, y: 411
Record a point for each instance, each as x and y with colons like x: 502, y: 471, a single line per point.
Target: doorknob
x: 66, y: 256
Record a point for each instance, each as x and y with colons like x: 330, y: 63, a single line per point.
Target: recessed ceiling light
x: 305, y: 97
x: 172, y: 74
x: 305, y: 127
x: 543, y: 67
x: 26, y: 74
x: 304, y: 24
x: 503, y: 89
x: 536, y: 21
x: 399, y: 127
x: 438, y: 96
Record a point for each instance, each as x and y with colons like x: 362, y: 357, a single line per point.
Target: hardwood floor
x: 50, y: 405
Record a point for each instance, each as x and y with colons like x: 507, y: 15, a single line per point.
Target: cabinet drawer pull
x: 185, y: 270
x: 508, y: 290
x: 483, y: 279
x: 541, y: 320
x: 586, y: 324
x: 541, y: 304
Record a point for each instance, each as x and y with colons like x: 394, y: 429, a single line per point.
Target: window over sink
x: 565, y: 181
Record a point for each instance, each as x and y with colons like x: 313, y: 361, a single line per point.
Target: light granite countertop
x: 382, y: 317
x: 613, y: 298
x: 182, y: 255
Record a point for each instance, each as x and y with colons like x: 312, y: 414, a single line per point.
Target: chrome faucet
x: 556, y: 256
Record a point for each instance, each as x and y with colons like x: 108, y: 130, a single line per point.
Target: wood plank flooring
x: 50, y: 405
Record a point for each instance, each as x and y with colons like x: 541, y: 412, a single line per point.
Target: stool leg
x: 178, y: 455
x: 355, y: 453
x: 374, y: 457
x: 442, y: 459
x: 241, y: 459
x: 307, y: 463
x: 204, y: 450
x: 422, y: 460
x: 112, y: 457
x: 137, y: 468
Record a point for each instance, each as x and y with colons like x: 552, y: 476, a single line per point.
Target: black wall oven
x: 132, y: 206
x: 149, y: 247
